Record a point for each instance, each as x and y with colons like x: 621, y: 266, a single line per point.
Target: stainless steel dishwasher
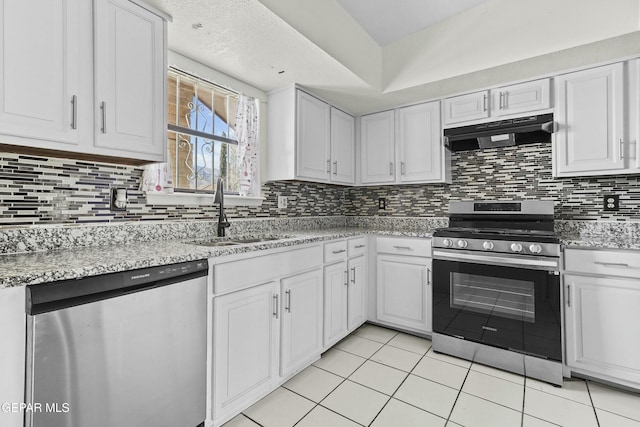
x: 118, y: 350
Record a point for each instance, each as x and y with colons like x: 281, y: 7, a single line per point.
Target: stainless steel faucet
x: 222, y: 217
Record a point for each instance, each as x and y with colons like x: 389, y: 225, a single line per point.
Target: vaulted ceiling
x: 329, y: 46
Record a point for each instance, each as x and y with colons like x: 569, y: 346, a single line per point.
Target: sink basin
x: 256, y: 239
x: 225, y: 243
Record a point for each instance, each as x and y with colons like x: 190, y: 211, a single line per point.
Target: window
x: 202, y: 143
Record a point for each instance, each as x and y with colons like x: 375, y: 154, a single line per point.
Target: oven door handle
x: 539, y: 264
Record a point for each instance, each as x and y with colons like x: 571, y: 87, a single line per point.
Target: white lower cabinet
x: 602, y: 315
x: 13, y: 331
x: 335, y: 303
x: 265, y: 330
x: 301, y: 320
x: 404, y: 284
x: 344, y: 289
x: 245, y: 346
x: 356, y: 292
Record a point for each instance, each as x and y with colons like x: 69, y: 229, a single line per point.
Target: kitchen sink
x: 225, y: 243
x: 239, y: 241
x: 257, y: 239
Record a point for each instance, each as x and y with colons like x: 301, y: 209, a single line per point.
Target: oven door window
x: 507, y: 307
x: 495, y: 296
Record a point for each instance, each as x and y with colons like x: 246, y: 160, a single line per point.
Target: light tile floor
x: 382, y: 378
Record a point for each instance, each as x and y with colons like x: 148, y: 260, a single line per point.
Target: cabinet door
x: 356, y: 310
x: 522, y: 98
x: 246, y: 342
x: 335, y: 303
x: 301, y: 320
x: 377, y: 148
x: 13, y: 331
x: 342, y: 147
x: 465, y: 108
x: 590, y: 116
x: 602, y: 317
x: 402, y: 292
x: 312, y: 138
x: 130, y: 83
x: 419, y: 142
x: 45, y: 71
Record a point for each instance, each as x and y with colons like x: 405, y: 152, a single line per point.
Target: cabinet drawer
x: 357, y: 246
x: 603, y: 262
x: 335, y: 251
x: 242, y: 273
x: 404, y: 246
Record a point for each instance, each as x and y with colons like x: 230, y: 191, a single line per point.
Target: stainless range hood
x: 503, y: 133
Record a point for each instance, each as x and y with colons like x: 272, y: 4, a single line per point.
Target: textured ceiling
x: 270, y: 44
x: 388, y: 21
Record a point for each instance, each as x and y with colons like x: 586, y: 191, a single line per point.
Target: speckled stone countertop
x: 40, y: 267
x: 599, y: 234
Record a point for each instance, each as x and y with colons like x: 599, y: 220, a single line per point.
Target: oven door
x: 499, y: 303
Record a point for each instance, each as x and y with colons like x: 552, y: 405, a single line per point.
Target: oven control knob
x: 516, y: 247
x: 535, y: 249
x: 462, y: 244
x: 487, y: 245
x: 447, y: 243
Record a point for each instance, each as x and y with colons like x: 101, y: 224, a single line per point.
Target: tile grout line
x: 458, y: 395
x: 592, y: 405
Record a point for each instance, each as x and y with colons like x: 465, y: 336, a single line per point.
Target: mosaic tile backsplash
x: 521, y: 172
x: 47, y: 191
x: 38, y: 190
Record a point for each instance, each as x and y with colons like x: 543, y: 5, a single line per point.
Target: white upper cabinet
x: 590, y: 115
x: 309, y: 139
x: 465, y: 108
x: 129, y: 80
x: 342, y: 147
x: 313, y: 137
x: 522, y: 98
x: 413, y: 136
x: 45, y: 72
x: 509, y: 100
x: 377, y: 148
x: 50, y: 95
x: 419, y: 142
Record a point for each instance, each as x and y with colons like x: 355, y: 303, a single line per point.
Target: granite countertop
x: 600, y: 242
x: 49, y: 266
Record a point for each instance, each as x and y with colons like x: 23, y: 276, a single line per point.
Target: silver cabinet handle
x: 329, y: 166
x: 353, y: 279
x: 346, y: 278
x: 335, y: 167
x: 391, y: 168
x: 359, y: 246
x: 340, y: 251
x: 275, y: 306
x: 613, y: 264
x: 402, y: 168
x: 428, y: 276
x: 288, y: 306
x: 501, y: 100
x: 568, y: 295
x: 103, y: 107
x: 406, y: 248
x: 621, y: 149
x: 74, y: 114
x: 484, y: 102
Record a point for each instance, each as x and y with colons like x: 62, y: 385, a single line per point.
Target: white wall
x: 331, y: 28
x: 500, y: 32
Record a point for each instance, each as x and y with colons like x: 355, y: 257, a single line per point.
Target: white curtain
x: 248, y: 146
x: 157, y: 178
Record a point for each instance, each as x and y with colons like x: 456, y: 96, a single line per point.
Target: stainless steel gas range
x: 496, y: 287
